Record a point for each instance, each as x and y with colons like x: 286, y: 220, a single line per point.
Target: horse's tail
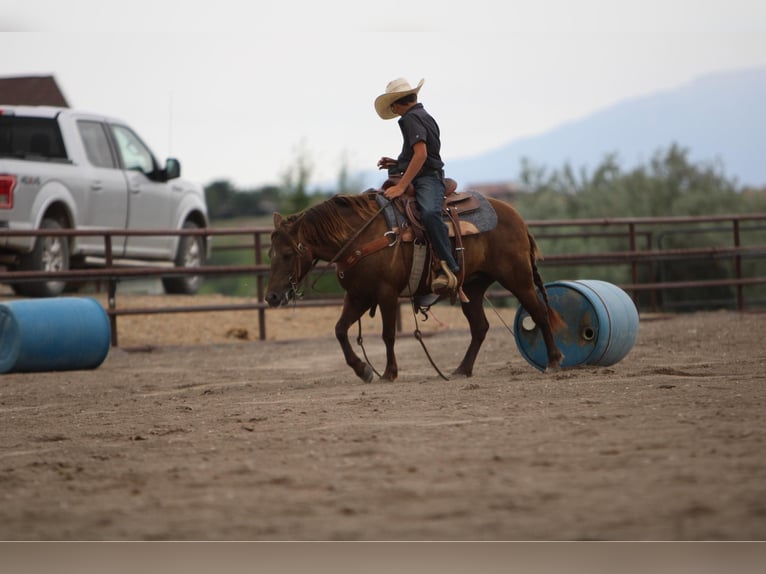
x: 535, y: 255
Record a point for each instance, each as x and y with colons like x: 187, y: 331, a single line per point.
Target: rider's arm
x: 416, y: 164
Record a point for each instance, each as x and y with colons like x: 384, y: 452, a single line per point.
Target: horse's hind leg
x: 477, y: 321
x: 352, y: 311
x: 539, y: 312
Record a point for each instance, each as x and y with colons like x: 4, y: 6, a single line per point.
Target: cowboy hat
x: 395, y: 90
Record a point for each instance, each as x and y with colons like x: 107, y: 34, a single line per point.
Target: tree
x: 347, y: 183
x: 669, y: 185
x: 295, y: 181
x: 218, y: 195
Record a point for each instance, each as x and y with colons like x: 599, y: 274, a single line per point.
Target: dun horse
x: 344, y: 223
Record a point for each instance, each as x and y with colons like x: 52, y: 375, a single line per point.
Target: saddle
x: 455, y: 204
x: 466, y: 213
x: 412, y: 229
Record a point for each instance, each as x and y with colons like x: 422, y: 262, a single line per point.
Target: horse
x: 345, y: 223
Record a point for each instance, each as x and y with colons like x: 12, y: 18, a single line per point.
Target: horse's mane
x: 333, y: 220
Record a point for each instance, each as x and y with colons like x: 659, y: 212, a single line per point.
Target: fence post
x: 738, y: 267
x: 259, y: 287
x: 633, y: 262
x: 111, y: 289
x: 651, y: 273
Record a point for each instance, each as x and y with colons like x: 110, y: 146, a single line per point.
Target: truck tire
x: 191, y: 253
x: 48, y: 254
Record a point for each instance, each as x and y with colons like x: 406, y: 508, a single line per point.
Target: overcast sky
x: 237, y: 89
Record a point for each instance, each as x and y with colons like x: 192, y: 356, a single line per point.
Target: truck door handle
x: 96, y: 186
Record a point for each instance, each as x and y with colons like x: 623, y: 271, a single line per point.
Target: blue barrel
x: 60, y: 334
x: 601, y: 325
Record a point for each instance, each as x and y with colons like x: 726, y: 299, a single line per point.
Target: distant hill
x: 719, y: 117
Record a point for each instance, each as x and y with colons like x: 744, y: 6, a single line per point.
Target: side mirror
x: 172, y: 168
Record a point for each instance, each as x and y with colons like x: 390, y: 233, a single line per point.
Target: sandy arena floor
x: 195, y: 431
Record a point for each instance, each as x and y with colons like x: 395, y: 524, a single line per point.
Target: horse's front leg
x: 352, y: 311
x: 477, y: 321
x: 388, y: 307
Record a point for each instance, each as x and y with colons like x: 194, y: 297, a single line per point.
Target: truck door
x: 105, y: 190
x: 150, y: 202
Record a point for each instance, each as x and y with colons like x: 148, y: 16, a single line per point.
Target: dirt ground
x: 193, y: 430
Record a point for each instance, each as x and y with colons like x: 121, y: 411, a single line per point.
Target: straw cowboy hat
x: 395, y: 90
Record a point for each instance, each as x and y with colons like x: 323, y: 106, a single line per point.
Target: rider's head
x: 400, y: 95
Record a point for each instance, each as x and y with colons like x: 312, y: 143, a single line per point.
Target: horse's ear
x: 277, y: 219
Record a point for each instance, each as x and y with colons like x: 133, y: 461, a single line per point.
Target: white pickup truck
x: 64, y: 169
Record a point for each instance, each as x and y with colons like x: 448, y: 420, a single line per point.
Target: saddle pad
x: 483, y: 219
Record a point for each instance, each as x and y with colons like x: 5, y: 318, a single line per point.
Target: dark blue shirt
x: 417, y: 125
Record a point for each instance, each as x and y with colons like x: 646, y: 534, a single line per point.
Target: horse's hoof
x: 367, y: 375
x: 554, y: 368
x: 555, y: 365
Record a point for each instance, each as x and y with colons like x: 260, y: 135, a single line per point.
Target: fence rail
x: 746, y: 232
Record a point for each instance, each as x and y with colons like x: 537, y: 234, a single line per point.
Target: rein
x: 419, y: 336
x: 356, y: 235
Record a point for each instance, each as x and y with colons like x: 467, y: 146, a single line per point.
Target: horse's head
x: 290, y: 262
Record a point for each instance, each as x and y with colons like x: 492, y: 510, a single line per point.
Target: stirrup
x: 447, y: 281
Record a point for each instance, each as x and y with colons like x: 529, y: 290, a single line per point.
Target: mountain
x: 719, y: 117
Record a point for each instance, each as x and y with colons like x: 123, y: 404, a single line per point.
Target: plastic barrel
x: 601, y: 325
x: 53, y: 335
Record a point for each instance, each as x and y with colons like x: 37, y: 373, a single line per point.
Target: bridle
x: 297, y: 274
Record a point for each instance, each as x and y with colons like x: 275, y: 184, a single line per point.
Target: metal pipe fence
x: 561, y: 239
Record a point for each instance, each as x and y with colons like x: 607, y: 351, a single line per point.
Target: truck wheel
x: 191, y: 253
x: 48, y: 254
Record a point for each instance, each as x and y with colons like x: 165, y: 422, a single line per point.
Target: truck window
x: 23, y: 137
x: 96, y: 143
x: 134, y: 154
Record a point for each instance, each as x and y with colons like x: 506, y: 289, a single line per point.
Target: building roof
x: 500, y: 189
x: 31, y: 91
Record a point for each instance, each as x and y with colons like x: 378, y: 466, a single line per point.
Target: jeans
x: 429, y: 194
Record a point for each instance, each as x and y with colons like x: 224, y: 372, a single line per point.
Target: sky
x: 240, y: 90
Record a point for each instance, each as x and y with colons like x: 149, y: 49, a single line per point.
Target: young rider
x: 419, y: 163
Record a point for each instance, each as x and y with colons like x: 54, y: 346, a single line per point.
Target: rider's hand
x: 395, y: 191
x: 386, y: 162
